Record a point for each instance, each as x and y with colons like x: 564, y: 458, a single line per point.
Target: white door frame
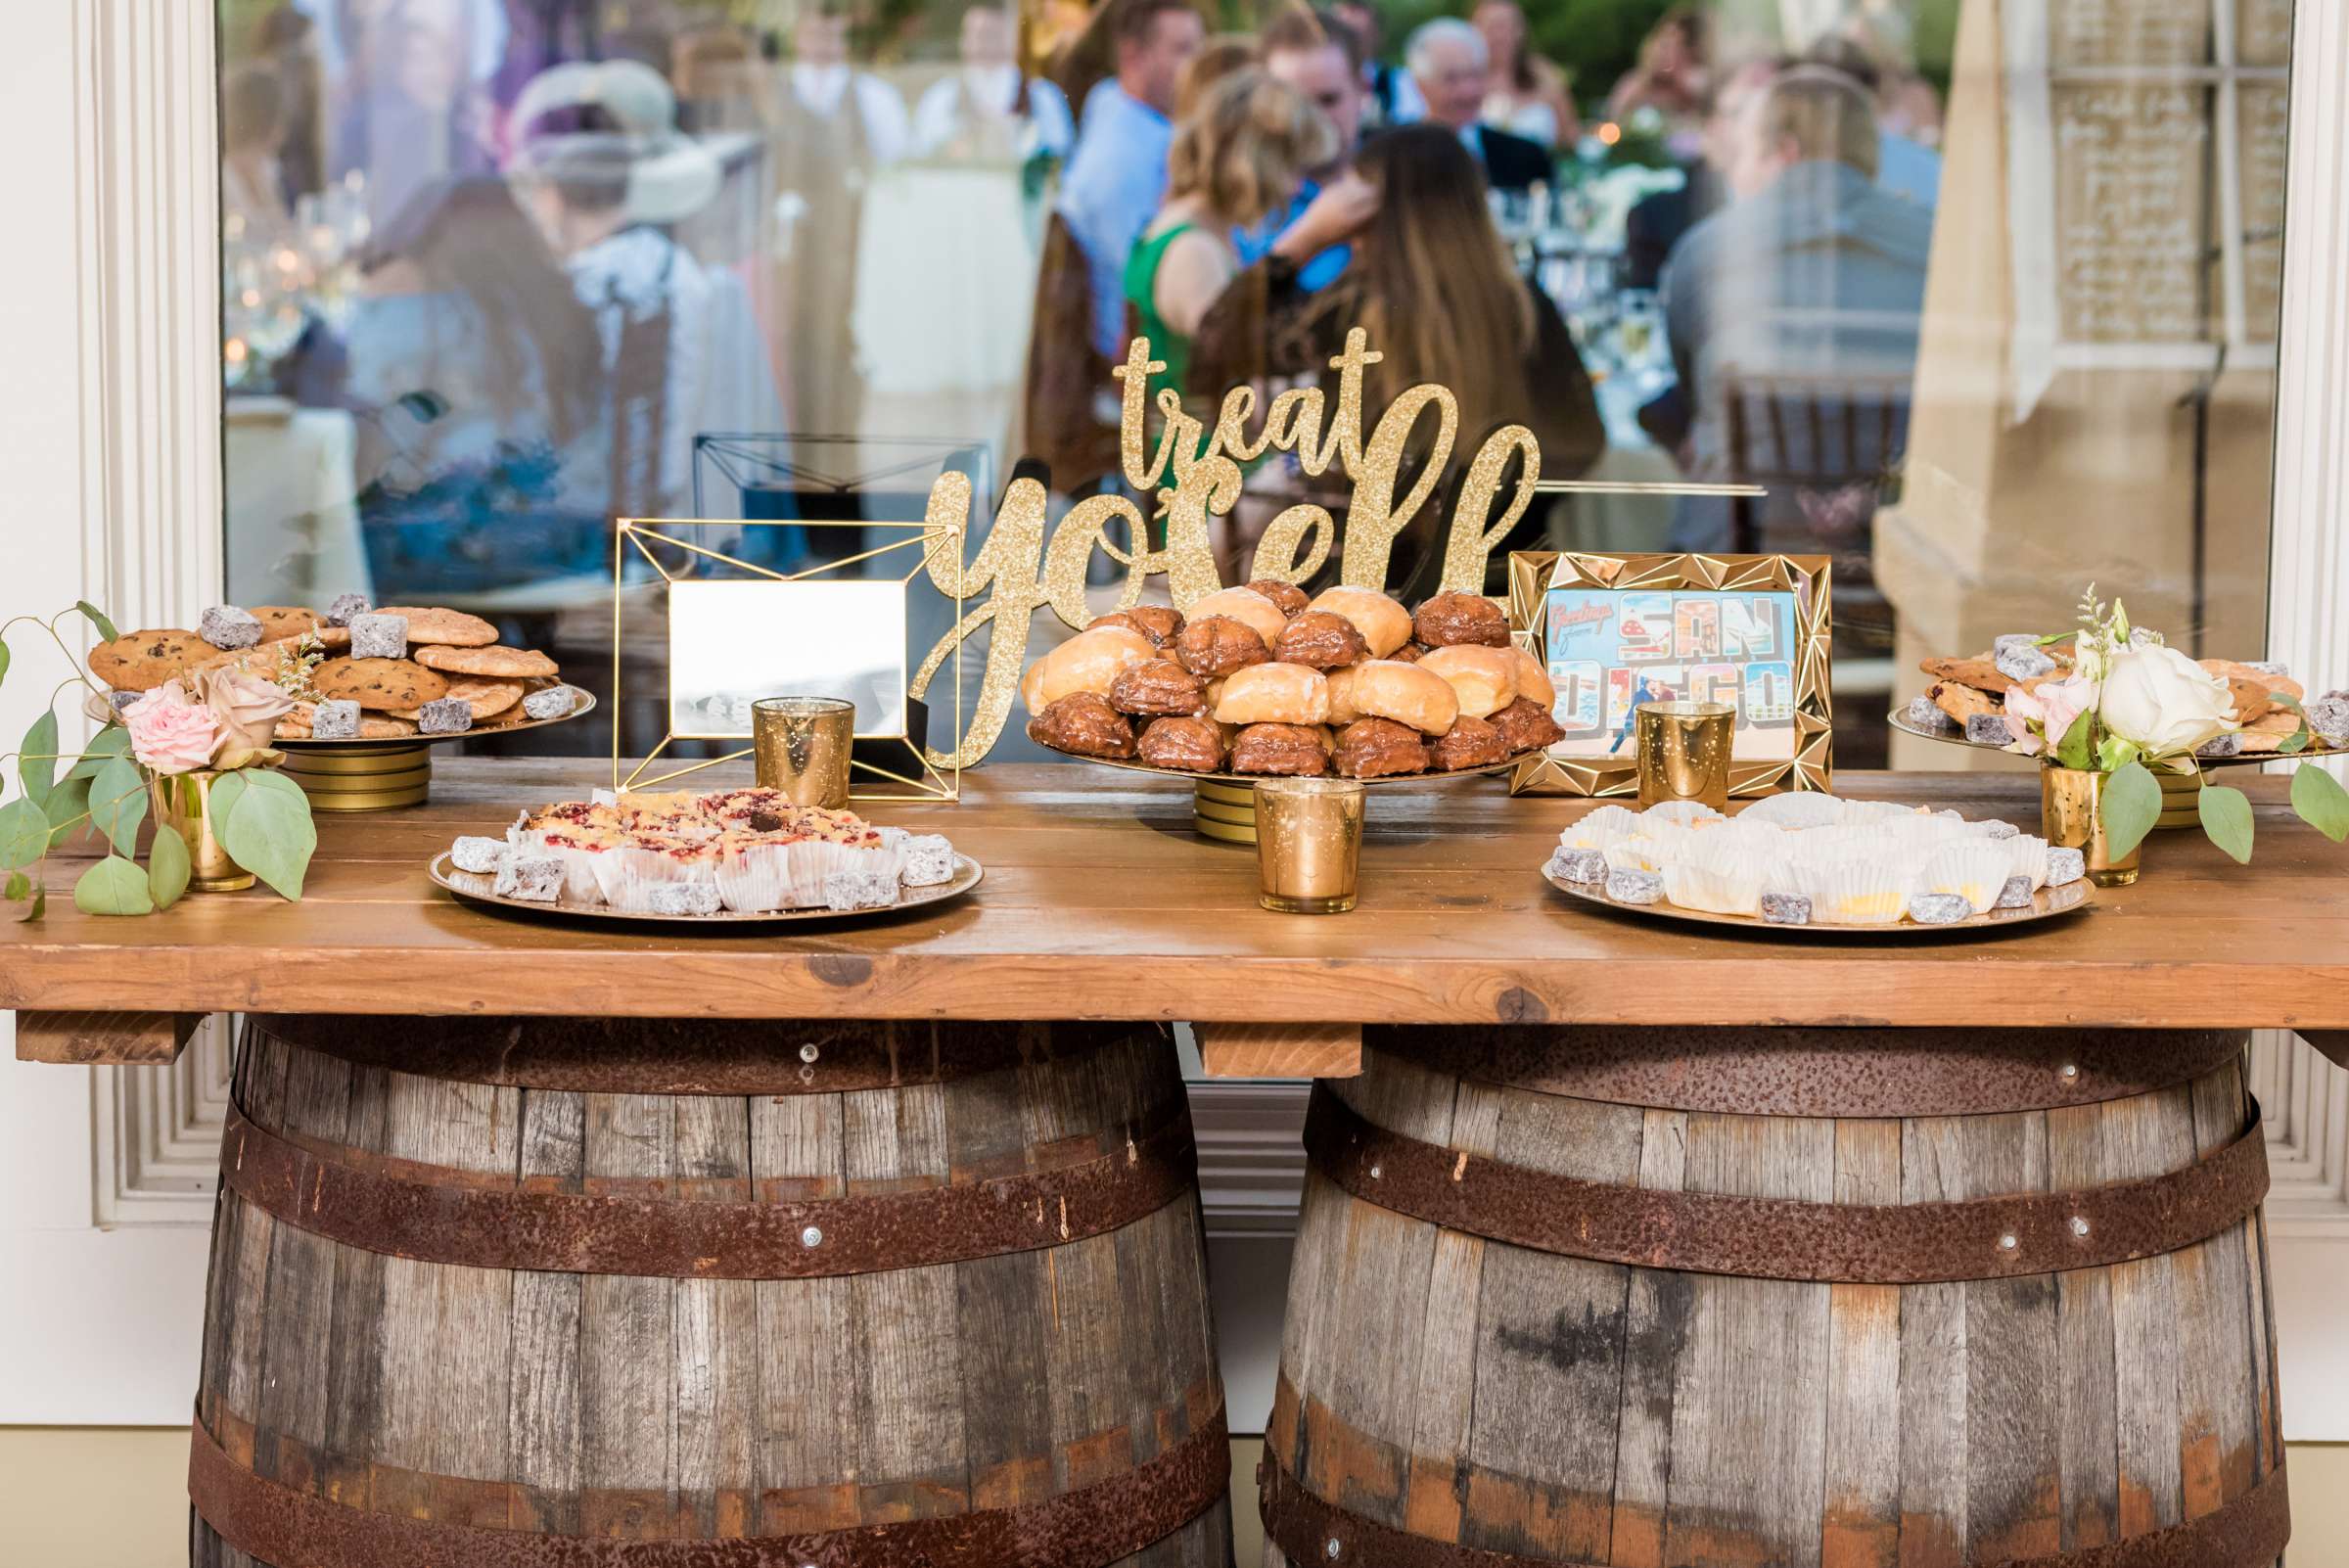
x: 110, y: 455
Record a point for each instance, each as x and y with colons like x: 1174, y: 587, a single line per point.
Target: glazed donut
x: 1532, y: 681
x: 1405, y: 693
x: 1383, y: 625
x: 1485, y: 679
x: 1274, y: 694
x: 1246, y: 606
x: 1092, y: 661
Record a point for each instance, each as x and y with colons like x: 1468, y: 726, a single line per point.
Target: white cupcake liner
x: 1858, y: 893
x: 1975, y: 871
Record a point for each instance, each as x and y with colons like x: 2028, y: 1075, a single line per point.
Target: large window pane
x: 1981, y: 301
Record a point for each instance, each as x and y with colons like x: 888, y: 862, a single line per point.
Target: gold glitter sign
x: 1193, y: 474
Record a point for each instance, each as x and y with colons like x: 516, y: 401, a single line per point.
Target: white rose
x: 2163, y: 701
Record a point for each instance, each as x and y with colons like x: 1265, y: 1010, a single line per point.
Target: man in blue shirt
x: 1116, y: 177
x: 1812, y: 271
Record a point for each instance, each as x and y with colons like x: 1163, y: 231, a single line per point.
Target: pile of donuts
x: 1263, y: 679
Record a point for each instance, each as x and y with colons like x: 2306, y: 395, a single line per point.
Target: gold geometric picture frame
x: 915, y: 777
x: 1533, y: 574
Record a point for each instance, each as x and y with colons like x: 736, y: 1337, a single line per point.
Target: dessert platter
x: 723, y: 859
x: 372, y: 688
x: 1966, y: 703
x: 1812, y: 862
x: 1264, y: 682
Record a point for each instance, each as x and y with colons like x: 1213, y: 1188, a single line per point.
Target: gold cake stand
x: 384, y: 775
x: 1223, y: 805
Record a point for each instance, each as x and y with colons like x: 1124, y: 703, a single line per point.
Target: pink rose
x: 2040, y: 719
x: 245, y: 708
x: 169, y: 735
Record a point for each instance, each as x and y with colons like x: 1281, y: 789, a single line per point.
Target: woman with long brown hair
x: 1434, y: 285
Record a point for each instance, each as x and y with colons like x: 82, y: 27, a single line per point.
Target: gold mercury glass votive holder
x: 183, y: 804
x: 801, y: 745
x: 1684, y: 752
x: 1309, y: 844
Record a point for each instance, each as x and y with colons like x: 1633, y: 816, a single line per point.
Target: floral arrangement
x: 215, y: 723
x: 2131, y: 704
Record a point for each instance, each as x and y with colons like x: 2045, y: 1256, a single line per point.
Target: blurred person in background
x: 1655, y: 223
x: 830, y: 127
x: 1813, y: 269
x: 1317, y: 54
x: 1674, y: 77
x: 1393, y: 97
x: 411, y: 113
x: 991, y: 110
x: 1239, y: 156
x: 479, y: 382
x: 1436, y: 288
x: 1452, y: 65
x: 1527, y: 95
x: 1907, y: 105
x: 1116, y: 177
x: 252, y: 110
x: 603, y: 171
x: 1905, y: 167
x: 1221, y: 56
x: 286, y: 40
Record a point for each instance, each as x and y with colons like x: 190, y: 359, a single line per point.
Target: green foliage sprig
x: 260, y: 817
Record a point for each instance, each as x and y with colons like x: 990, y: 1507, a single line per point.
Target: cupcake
x: 1974, y: 871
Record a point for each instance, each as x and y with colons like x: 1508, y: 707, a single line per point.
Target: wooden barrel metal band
x: 403, y: 1214
x: 2247, y: 1530
x: 683, y: 1055
x: 1774, y: 1238
x: 1820, y: 1072
x: 1083, y: 1527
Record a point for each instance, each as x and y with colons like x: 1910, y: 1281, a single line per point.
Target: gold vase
x: 183, y: 804
x: 2071, y: 816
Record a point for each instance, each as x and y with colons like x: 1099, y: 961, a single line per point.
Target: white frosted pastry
x: 1974, y: 871
x: 1797, y: 810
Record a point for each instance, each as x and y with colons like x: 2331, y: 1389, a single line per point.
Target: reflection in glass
x: 1986, y: 311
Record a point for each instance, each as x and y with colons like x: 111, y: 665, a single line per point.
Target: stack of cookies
x: 359, y: 673
x: 1968, y: 696
x: 1262, y: 680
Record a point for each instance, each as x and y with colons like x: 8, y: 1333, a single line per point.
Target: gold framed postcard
x: 738, y: 630
x: 1616, y: 630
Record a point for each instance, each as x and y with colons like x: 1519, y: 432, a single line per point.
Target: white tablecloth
x: 292, y: 525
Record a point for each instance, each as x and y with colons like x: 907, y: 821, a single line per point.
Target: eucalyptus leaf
x: 2132, y: 805
x: 19, y: 885
x: 23, y: 833
x: 66, y: 812
x: 2227, y: 818
x: 106, y: 628
x: 36, y: 763
x: 112, y: 741
x: 267, y: 829
x: 167, y: 868
x: 2073, y: 750
x: 2114, y: 753
x: 2320, y: 802
x: 118, y: 803
x: 39, y: 906
x: 227, y: 790
x: 3, y: 658
x: 113, y: 887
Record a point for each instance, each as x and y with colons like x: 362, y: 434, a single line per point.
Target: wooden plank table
x: 1100, y: 902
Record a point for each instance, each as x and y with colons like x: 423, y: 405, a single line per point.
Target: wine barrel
x: 1835, y: 1298
x: 651, y: 1295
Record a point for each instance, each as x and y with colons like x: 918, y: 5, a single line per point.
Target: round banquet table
x: 694, y: 1294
